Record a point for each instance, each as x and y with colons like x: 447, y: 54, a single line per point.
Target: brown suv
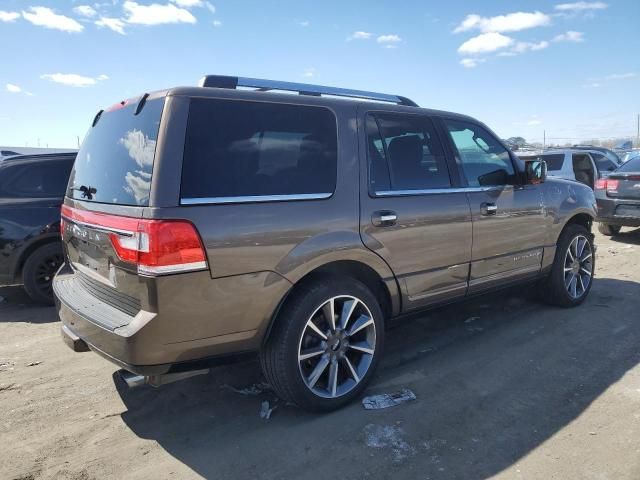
x: 202, y: 223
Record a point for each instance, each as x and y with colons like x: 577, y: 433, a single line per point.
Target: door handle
x: 384, y: 218
x: 487, y: 209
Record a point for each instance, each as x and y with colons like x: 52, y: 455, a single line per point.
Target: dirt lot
x: 505, y: 387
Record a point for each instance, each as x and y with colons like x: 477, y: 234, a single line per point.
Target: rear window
x: 554, y: 161
x: 632, y: 165
x: 115, y: 162
x: 247, y: 149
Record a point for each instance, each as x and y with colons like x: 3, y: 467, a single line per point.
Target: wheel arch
x: 28, y: 251
x: 386, y: 290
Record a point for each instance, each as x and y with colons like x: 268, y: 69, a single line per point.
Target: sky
x: 571, y: 69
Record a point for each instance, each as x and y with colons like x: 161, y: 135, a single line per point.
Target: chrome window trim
x: 99, y: 228
x: 254, y: 199
x: 431, y: 191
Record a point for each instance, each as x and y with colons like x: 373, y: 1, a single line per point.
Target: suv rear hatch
x: 109, y: 244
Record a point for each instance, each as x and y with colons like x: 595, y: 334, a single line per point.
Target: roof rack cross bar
x: 221, y: 81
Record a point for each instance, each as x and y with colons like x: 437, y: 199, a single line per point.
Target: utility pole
x: 544, y: 139
x: 78, y: 139
x: 638, y: 133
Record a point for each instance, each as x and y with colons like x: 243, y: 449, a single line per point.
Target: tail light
x: 156, y: 247
x: 607, y: 184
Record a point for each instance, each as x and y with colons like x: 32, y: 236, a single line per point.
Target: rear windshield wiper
x: 87, y: 191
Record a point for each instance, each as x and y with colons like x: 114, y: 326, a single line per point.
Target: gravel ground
x: 506, y: 388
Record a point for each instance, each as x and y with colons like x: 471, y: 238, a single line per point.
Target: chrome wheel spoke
x: 329, y: 311
x: 362, y: 347
x: 352, y: 370
x: 361, y: 323
x: 318, y: 371
x: 333, y: 378
x: 313, y: 352
x: 586, y: 257
x: 567, y: 281
x: 585, y: 271
x: 347, y: 309
x: 315, y: 328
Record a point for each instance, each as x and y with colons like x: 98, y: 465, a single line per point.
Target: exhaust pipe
x: 134, y: 380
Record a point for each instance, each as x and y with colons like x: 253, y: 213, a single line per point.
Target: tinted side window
x: 239, y: 149
x: 484, y: 160
x: 45, y: 179
x: 603, y: 163
x: 405, y: 154
x: 554, y: 161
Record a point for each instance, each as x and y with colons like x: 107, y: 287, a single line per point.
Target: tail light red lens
x: 156, y: 246
x: 612, y: 185
x: 607, y: 184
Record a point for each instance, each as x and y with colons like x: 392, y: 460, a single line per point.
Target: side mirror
x: 535, y: 171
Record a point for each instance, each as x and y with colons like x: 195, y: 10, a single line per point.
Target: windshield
x: 115, y: 162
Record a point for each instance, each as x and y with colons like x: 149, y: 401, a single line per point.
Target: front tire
x: 608, y: 230
x: 39, y: 270
x: 573, y: 267
x: 325, y: 344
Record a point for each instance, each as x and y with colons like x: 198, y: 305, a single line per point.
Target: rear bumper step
x: 134, y: 380
x: 73, y: 341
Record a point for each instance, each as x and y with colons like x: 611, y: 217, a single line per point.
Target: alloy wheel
x: 337, y: 346
x: 578, y: 267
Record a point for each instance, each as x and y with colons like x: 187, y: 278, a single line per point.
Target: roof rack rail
x: 263, y: 85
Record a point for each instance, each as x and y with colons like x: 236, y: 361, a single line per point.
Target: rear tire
x: 608, y: 230
x: 319, y: 364
x: 39, y: 270
x: 573, y: 267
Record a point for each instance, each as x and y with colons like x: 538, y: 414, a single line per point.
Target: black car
x: 31, y: 191
x: 618, y: 197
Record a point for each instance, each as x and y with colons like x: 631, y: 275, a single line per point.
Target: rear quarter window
x: 236, y: 149
x: 554, y: 161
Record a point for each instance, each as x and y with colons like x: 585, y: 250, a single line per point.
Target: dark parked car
x: 204, y: 223
x: 618, y: 197
x: 31, y: 191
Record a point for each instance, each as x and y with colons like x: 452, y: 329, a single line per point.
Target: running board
x: 133, y: 380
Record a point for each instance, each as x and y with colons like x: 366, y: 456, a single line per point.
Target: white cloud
x: 217, y: 23
x: 580, y: 6
x: 85, y: 10
x: 511, y: 22
x: 114, y: 24
x: 188, y: 3
x: 12, y: 88
x: 534, y: 122
x: 8, y: 16
x: 388, y: 39
x: 156, y: 14
x: 620, y: 76
x: 522, y: 47
x: 304, y: 23
x: 46, y: 17
x: 471, y: 62
x: 485, y: 43
x: 570, y: 36
x: 592, y: 85
x: 210, y: 7
x: 360, y: 36
x: 309, y: 72
x: 73, y: 79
